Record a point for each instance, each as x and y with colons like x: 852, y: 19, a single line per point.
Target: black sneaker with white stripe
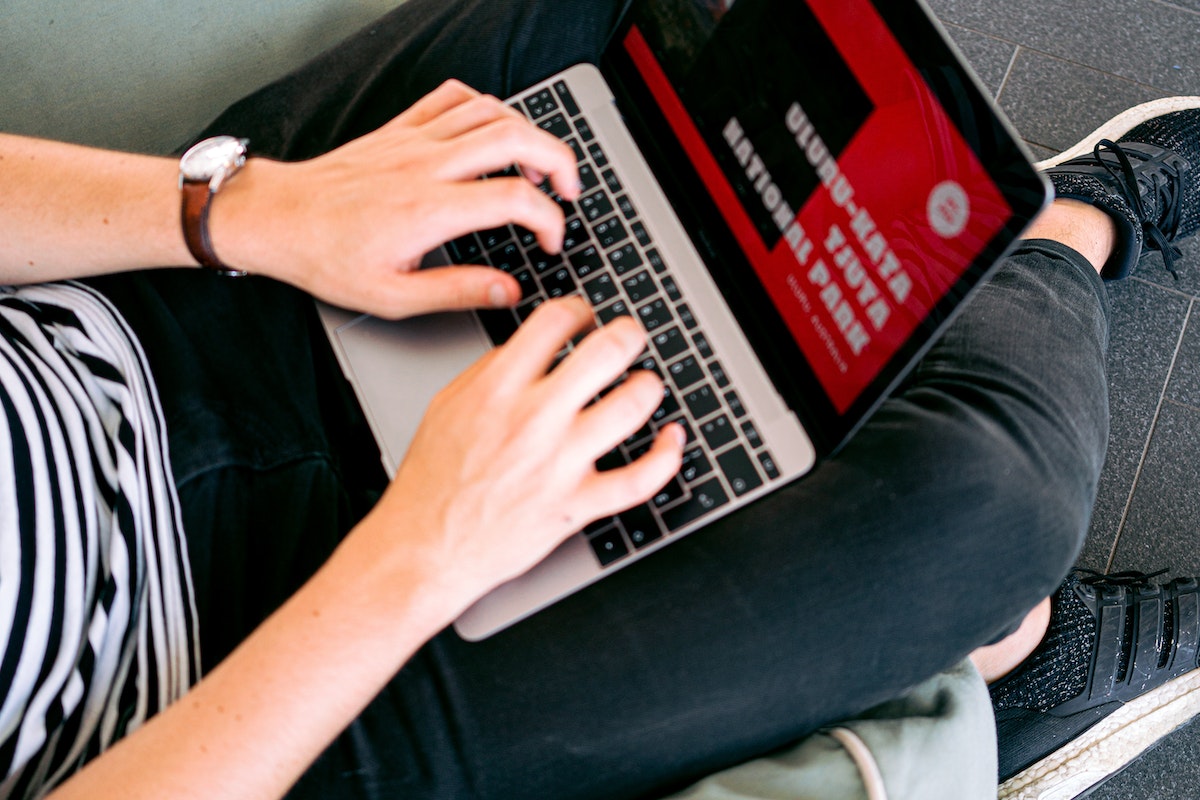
x: 1115, y: 673
x: 1143, y: 168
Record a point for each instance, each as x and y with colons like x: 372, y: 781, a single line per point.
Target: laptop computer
x: 793, y: 198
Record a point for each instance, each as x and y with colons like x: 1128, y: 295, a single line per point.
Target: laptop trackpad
x: 397, y: 368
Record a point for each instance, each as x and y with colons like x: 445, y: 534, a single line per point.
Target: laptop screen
x: 842, y: 174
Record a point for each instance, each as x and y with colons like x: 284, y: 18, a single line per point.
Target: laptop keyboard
x: 610, y: 258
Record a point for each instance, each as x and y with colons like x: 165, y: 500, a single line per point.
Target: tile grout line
x: 1007, y: 72
x: 1137, y: 475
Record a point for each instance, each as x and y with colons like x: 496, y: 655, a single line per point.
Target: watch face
x: 211, y: 156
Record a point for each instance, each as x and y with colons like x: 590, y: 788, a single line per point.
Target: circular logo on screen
x: 948, y: 209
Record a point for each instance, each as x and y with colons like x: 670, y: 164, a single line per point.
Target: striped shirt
x: 97, y: 619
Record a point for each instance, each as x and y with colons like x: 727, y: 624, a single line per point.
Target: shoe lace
x: 1170, y: 209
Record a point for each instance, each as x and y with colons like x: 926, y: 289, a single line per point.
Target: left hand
x: 351, y: 226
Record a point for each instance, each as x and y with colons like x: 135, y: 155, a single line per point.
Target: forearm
x: 71, y: 211
x: 252, y: 726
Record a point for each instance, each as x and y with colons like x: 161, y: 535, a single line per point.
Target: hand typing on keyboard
x: 503, y: 466
x: 351, y: 226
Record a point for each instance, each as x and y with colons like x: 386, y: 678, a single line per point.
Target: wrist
x: 242, y: 219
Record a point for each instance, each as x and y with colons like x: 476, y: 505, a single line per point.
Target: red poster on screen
x: 855, y: 198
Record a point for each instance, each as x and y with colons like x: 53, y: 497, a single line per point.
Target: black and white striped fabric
x: 97, y: 618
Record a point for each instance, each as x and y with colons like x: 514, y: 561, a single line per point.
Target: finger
x: 597, y: 361
x: 618, y: 415
x: 448, y: 95
x: 480, y: 205
x: 451, y: 288
x: 532, y: 349
x: 467, y: 116
x: 514, y: 140
x: 613, y: 491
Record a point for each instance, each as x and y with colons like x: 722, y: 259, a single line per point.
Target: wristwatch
x: 203, y: 170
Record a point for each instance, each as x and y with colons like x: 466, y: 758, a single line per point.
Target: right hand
x: 502, y: 468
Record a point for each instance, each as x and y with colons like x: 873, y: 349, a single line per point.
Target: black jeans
x: 956, y: 509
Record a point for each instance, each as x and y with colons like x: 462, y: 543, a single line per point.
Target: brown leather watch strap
x: 197, y: 200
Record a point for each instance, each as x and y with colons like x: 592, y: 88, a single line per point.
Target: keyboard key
x: 586, y: 261
x: 639, y: 233
x: 706, y: 497
x: 600, y: 289
x: 541, y: 261
x: 702, y: 345
x: 597, y: 154
x: 558, y: 283
x: 608, y: 546
x: 655, y: 260
x: 648, y: 363
x: 540, y: 104
x: 640, y: 526
x: 508, y: 257
x: 609, y: 231
x: 739, y: 470
x: 556, y: 125
x: 585, y: 130
x: 751, y: 434
x: 500, y: 324
x: 494, y: 237
x: 639, y: 287
x: 595, y: 205
x: 735, y: 405
x: 526, y: 237
x: 611, y: 312
x: 702, y: 401
x: 718, y: 373
x: 686, y: 372
x: 671, y: 288
x: 466, y: 249
x: 695, y: 465
x: 574, y: 144
x: 718, y: 432
x: 611, y: 181
x: 587, y: 177
x: 626, y: 206
x: 565, y: 97
x: 768, y: 465
x: 685, y: 315
x: 575, y: 234
x: 669, y: 343
x: 667, y: 495
x: 625, y: 259
x: 655, y: 314
x: 667, y: 408
x: 528, y: 284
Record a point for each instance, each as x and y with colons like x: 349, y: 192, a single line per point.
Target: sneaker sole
x: 1109, y: 745
x: 1121, y: 124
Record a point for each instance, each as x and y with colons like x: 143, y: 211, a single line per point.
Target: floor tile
x: 1143, y: 40
x: 1054, y: 102
x: 1162, y: 529
x: 1146, y: 325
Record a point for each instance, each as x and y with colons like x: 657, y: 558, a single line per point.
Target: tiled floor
x: 1059, y: 68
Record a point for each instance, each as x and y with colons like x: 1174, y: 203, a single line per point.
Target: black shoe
x: 1143, y: 168
x: 1115, y: 673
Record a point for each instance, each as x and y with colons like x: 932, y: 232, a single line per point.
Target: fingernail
x: 497, y: 296
x: 678, y: 435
